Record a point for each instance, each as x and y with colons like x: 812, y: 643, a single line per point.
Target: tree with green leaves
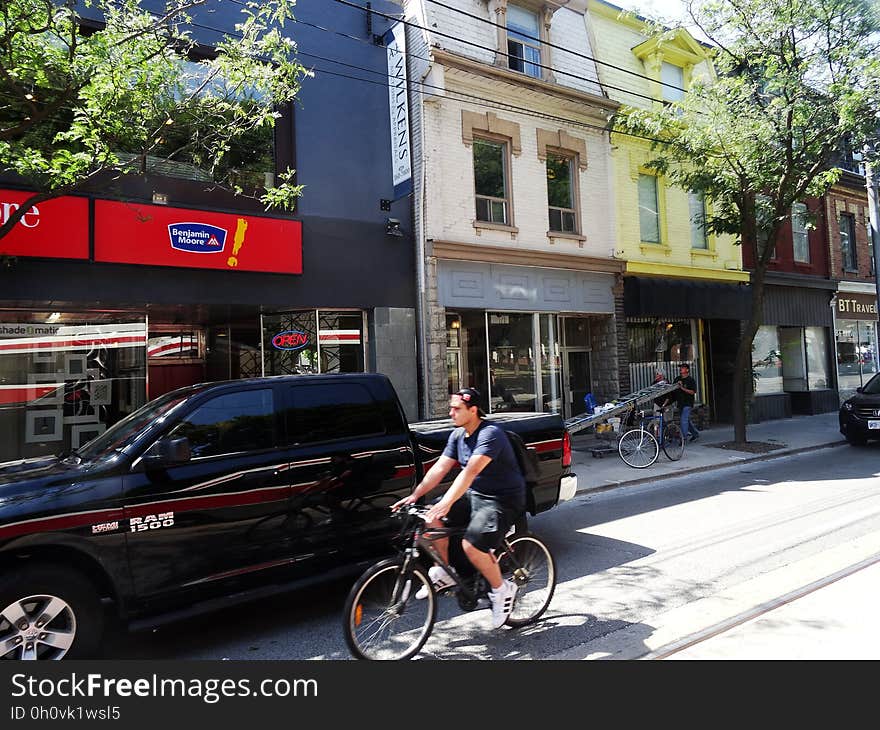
x: 794, y: 79
x: 93, y: 90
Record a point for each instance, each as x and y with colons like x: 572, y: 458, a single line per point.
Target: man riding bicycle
x: 496, y: 497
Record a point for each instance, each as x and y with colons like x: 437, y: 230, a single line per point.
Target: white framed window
x: 799, y: 235
x: 697, y: 214
x: 561, y: 192
x: 671, y: 82
x: 649, y: 209
x: 491, y: 183
x: 523, y: 46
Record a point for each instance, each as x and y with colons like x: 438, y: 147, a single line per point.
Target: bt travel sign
x: 156, y: 235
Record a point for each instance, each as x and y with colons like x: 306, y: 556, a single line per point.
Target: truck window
x: 323, y: 412
x: 230, y: 423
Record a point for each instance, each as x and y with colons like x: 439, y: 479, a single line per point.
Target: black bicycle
x: 383, y: 619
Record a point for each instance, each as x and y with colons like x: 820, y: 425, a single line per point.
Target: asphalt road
x: 648, y: 571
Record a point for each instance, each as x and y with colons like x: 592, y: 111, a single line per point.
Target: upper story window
x: 848, y: 242
x: 671, y: 81
x: 799, y: 236
x: 523, y: 30
x: 561, y: 189
x: 491, y: 181
x: 697, y: 210
x: 649, y: 209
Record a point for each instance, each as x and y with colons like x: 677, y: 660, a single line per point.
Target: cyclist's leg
x: 490, y: 520
x: 458, y: 516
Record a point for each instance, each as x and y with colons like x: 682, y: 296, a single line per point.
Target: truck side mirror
x: 860, y: 390
x: 167, y: 452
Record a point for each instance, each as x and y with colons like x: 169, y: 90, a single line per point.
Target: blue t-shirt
x: 502, y: 477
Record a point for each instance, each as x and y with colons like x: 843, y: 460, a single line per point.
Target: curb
x: 708, y: 467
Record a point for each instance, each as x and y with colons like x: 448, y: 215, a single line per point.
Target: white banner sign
x: 395, y: 42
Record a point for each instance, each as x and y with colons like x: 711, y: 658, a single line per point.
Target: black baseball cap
x: 471, y: 398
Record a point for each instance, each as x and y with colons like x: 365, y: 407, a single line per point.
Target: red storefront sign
x: 55, y: 228
x: 156, y: 235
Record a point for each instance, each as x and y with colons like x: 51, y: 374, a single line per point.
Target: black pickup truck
x: 219, y: 493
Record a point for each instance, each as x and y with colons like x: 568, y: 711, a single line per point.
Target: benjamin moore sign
x: 395, y: 43
x: 158, y: 235
x: 856, y: 306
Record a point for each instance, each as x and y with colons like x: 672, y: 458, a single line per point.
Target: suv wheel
x: 48, y: 613
x: 856, y: 440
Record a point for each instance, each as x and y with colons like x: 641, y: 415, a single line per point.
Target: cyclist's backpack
x: 526, y: 458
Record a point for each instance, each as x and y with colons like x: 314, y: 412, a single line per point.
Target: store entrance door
x: 577, y: 379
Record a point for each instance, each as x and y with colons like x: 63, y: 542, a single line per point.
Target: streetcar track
x: 761, y: 609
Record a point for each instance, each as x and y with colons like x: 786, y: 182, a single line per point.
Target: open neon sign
x: 290, y: 340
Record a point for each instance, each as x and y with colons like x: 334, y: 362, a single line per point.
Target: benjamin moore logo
x: 197, y: 237
x: 290, y: 340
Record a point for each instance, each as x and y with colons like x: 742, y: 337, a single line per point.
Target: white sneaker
x: 502, y: 602
x: 439, y: 577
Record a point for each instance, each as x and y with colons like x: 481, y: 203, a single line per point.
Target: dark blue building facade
x: 87, y: 337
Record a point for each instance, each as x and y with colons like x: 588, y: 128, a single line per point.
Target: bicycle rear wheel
x: 673, y: 441
x: 382, y: 618
x: 638, y: 448
x: 530, y: 565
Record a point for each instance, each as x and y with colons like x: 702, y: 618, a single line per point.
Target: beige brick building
x: 520, y: 292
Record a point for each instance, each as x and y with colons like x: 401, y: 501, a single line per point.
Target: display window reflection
x: 66, y: 377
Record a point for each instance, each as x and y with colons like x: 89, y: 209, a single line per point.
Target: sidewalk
x: 800, y: 433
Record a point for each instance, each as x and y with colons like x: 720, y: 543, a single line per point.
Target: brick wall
x: 848, y: 200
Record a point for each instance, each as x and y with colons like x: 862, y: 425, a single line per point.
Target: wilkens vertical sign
x: 395, y: 43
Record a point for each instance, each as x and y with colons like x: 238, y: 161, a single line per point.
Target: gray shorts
x: 487, y: 518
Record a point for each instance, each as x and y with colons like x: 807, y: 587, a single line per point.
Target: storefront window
x: 551, y: 366
x: 453, y: 352
x: 65, y: 377
x: 313, y: 341
x: 661, y: 344
x: 511, y: 361
x: 474, y: 372
x: 856, y: 353
x: 767, y: 361
x: 817, y: 358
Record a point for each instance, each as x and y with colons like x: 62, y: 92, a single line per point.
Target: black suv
x: 860, y: 415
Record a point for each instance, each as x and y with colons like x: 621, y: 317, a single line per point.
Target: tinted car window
x: 872, y: 387
x: 230, y: 423
x: 322, y: 412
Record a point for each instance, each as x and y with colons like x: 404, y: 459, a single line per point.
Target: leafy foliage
x: 133, y: 93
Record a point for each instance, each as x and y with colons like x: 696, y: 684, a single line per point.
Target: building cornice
x: 678, y: 271
x: 804, y: 281
x: 481, y: 253
x: 857, y: 287
x: 454, y: 60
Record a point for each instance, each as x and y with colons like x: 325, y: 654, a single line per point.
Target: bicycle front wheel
x: 530, y: 565
x: 673, y: 442
x: 382, y: 618
x: 638, y: 448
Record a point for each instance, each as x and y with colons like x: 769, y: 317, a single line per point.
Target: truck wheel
x: 49, y: 613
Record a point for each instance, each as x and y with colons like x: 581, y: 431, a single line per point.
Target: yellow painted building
x: 685, y: 292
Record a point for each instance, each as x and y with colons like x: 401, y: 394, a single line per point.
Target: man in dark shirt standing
x: 685, y: 396
x: 496, y: 497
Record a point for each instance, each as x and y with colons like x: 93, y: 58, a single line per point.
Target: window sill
x: 648, y: 247
x: 485, y: 225
x: 707, y: 252
x: 566, y: 236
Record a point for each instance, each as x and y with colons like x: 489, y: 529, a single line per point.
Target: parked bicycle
x: 383, y: 619
x: 639, y: 447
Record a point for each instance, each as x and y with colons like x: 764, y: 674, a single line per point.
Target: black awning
x: 655, y: 297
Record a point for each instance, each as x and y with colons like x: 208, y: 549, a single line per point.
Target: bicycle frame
x: 423, y: 538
